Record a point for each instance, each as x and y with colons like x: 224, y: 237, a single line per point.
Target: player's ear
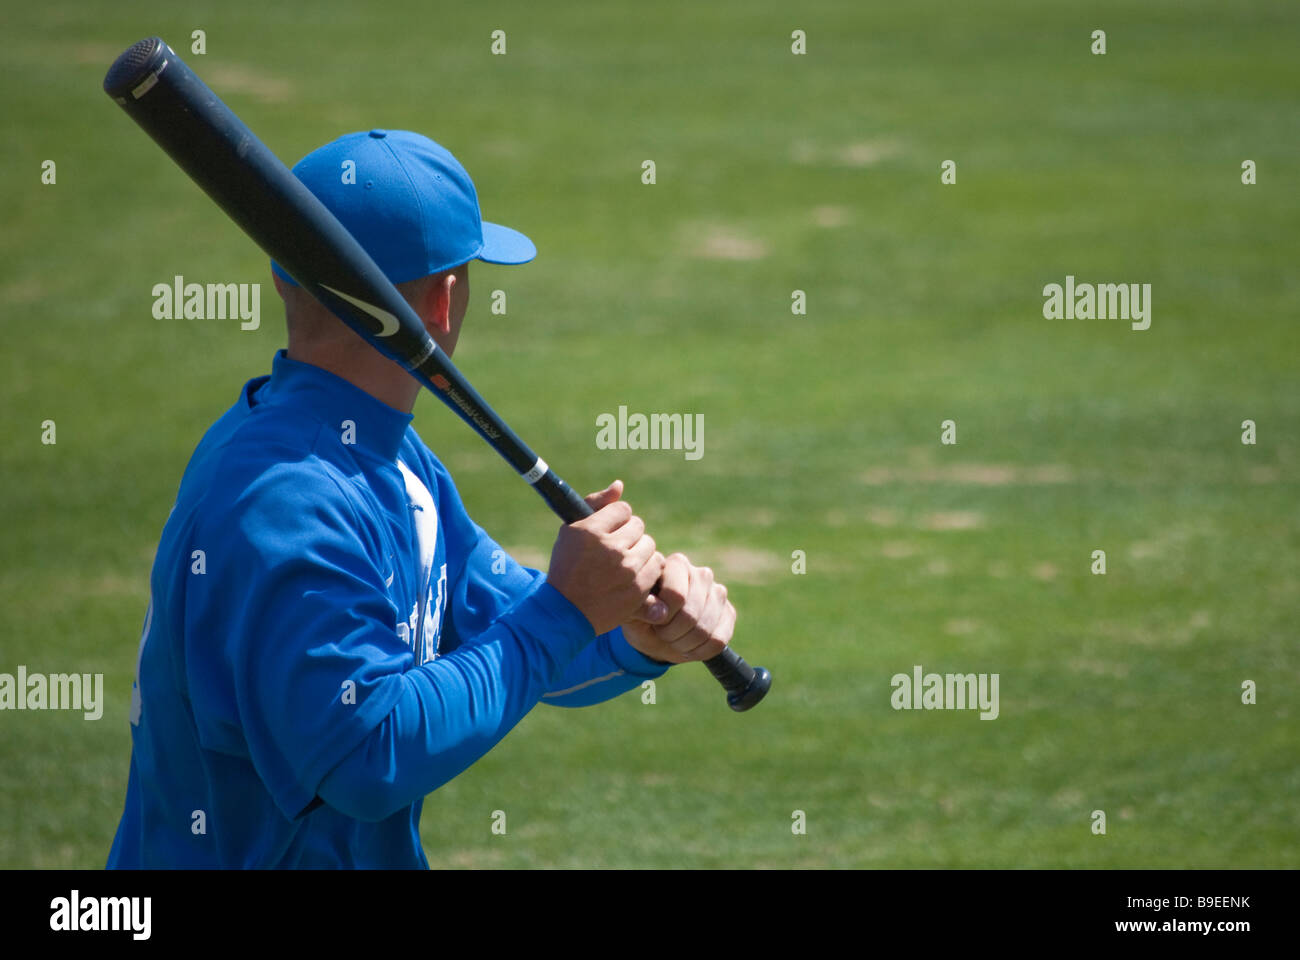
x: 435, y: 303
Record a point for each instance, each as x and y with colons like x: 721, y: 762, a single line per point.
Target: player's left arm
x: 695, y: 621
x: 484, y: 582
x: 488, y: 585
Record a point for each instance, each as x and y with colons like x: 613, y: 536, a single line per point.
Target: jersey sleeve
x: 454, y: 709
x: 606, y: 668
x: 293, y: 657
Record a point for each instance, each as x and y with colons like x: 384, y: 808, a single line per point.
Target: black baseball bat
x: 218, y: 151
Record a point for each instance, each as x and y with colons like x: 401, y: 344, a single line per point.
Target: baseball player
x: 330, y: 637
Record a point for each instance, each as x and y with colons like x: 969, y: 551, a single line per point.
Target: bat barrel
x: 248, y: 181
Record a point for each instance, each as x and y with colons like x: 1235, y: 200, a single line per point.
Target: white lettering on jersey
x: 426, y: 625
x: 433, y: 623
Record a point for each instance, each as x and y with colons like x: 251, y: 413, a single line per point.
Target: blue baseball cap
x: 408, y: 202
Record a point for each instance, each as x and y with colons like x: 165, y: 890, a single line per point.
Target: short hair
x: 307, y: 319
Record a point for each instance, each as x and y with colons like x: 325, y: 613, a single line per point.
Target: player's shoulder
x: 271, y: 468
x: 274, y: 446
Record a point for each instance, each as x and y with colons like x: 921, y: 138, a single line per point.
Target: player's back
x: 195, y: 797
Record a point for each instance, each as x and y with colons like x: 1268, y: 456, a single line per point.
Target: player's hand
x: 605, y: 564
x: 696, y: 621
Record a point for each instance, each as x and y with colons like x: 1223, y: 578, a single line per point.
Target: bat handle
x: 566, y: 502
x: 745, y: 685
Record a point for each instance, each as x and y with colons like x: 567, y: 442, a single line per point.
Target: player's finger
x: 674, y: 584
x: 701, y: 642
x: 602, y: 498
x: 697, y: 596
x: 638, y: 554
x: 628, y: 534
x: 608, y: 518
x: 722, y: 633
x: 652, y: 610
x: 651, y: 571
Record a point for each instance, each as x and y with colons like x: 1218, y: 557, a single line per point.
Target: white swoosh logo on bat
x: 388, y: 322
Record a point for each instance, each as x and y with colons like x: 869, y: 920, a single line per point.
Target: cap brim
x: 503, y: 245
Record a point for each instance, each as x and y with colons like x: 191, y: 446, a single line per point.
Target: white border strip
x: 584, y: 684
x: 535, y: 474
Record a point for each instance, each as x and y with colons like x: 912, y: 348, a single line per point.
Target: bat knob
x: 135, y: 64
x: 754, y: 691
x: 745, y: 685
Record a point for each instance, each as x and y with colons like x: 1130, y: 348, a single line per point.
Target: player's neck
x: 363, y: 367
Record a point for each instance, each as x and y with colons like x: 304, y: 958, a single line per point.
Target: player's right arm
x: 293, y: 653
x: 454, y: 709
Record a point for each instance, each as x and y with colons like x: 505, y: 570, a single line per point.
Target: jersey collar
x: 377, y: 427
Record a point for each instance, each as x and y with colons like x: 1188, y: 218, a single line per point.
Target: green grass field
x: 775, y: 172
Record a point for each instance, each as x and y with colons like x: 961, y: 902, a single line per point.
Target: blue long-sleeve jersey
x: 330, y: 637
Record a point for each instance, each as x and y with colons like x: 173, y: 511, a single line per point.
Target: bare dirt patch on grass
x: 969, y: 474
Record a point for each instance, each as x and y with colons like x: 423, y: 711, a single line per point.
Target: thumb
x: 603, y: 498
x: 653, y: 610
